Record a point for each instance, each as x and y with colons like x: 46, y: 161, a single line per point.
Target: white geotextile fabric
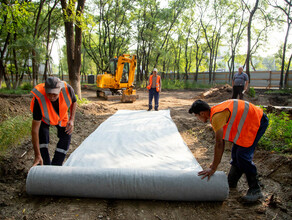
x: 132, y: 155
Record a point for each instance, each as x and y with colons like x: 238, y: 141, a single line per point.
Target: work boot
x: 149, y: 109
x: 254, y: 192
x: 233, y: 177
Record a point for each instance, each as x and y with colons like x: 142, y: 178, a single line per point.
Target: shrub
x: 251, y: 92
x: 278, y: 136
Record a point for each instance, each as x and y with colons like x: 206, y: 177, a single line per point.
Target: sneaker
x: 149, y: 109
x: 252, y: 195
x: 156, y: 109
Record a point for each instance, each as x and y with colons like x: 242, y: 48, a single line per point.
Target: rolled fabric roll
x: 179, y: 185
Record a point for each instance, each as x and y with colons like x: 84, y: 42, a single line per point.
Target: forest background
x: 174, y: 36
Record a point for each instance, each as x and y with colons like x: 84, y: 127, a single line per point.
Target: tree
x: 72, y: 14
x: 286, y: 9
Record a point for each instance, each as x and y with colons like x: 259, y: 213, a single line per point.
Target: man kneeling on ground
x: 243, y: 124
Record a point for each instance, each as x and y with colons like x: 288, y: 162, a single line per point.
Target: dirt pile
x: 217, y: 94
x: 12, y: 106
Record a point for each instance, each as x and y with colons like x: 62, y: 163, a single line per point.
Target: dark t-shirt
x: 37, y: 113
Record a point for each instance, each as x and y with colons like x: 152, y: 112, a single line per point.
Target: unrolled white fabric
x: 132, y: 155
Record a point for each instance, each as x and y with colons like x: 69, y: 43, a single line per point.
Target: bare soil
x: 274, y: 169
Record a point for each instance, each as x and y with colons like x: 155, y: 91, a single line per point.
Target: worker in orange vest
x: 243, y: 124
x: 50, y: 104
x: 154, y: 88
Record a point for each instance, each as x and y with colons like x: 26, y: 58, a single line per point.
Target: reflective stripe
x: 44, y: 145
x: 234, y: 113
x: 241, y: 122
x: 61, y: 150
x: 44, y: 104
x: 65, y: 95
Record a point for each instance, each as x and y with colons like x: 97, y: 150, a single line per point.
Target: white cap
x: 155, y: 70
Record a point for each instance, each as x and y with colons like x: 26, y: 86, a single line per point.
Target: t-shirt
x: 240, y: 79
x: 37, y: 113
x: 220, y: 119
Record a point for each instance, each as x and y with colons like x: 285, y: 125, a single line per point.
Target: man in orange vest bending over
x: 154, y: 88
x: 50, y: 103
x: 243, y: 124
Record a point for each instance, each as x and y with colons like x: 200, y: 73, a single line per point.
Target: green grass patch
x: 82, y: 101
x: 180, y: 84
x: 25, y: 88
x: 13, y: 131
x: 278, y: 136
x: 279, y: 91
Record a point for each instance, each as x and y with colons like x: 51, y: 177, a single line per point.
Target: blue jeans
x: 153, y: 92
x: 241, y: 157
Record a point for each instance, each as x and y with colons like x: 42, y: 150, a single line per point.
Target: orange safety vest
x: 243, y: 123
x: 50, y: 116
x: 157, y: 83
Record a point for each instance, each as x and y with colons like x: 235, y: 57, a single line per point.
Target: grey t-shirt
x: 239, y: 79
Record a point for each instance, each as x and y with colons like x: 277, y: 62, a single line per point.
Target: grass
x: 179, y: 84
x: 25, y: 88
x: 278, y: 136
x: 13, y: 131
x: 279, y: 91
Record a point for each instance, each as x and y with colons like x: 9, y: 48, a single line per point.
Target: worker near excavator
x: 154, y: 88
x: 243, y: 124
x: 50, y: 103
x: 239, y: 84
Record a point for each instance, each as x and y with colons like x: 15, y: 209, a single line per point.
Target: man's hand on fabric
x: 207, y: 173
x: 38, y: 160
x: 70, y: 127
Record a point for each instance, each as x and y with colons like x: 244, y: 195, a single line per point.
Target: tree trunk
x: 73, y: 45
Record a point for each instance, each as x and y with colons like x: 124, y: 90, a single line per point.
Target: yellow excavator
x: 118, y: 82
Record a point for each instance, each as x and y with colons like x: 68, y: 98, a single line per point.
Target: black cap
x: 199, y: 106
x: 53, y: 85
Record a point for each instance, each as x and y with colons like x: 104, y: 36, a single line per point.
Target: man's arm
x: 70, y: 124
x: 218, y: 152
x: 35, y: 142
x: 246, y: 85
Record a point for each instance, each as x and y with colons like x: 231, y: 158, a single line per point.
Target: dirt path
x: 275, y: 172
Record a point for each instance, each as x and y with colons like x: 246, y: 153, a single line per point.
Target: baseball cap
x: 155, y: 70
x: 53, y: 85
x: 199, y: 106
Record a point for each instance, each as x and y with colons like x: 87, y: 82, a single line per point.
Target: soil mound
x: 217, y: 94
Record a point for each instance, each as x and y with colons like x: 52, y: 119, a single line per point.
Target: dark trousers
x: 237, y: 91
x: 241, y: 157
x: 153, y: 92
x: 62, y: 145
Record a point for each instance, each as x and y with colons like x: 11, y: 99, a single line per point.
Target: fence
x: 260, y: 79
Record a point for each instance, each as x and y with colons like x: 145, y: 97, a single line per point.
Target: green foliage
x: 17, y: 91
x: 27, y: 86
x: 280, y: 91
x: 82, y: 101
x: 13, y: 131
x: 251, y: 92
x: 180, y: 84
x: 278, y: 136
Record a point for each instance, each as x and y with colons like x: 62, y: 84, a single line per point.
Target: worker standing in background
x: 239, y: 84
x: 243, y: 124
x: 50, y: 103
x: 154, y: 88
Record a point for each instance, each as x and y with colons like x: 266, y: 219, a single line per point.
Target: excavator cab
x: 118, y: 81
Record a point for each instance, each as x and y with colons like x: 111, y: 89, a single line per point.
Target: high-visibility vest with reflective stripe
x: 49, y: 115
x: 243, y: 123
x: 157, y: 82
